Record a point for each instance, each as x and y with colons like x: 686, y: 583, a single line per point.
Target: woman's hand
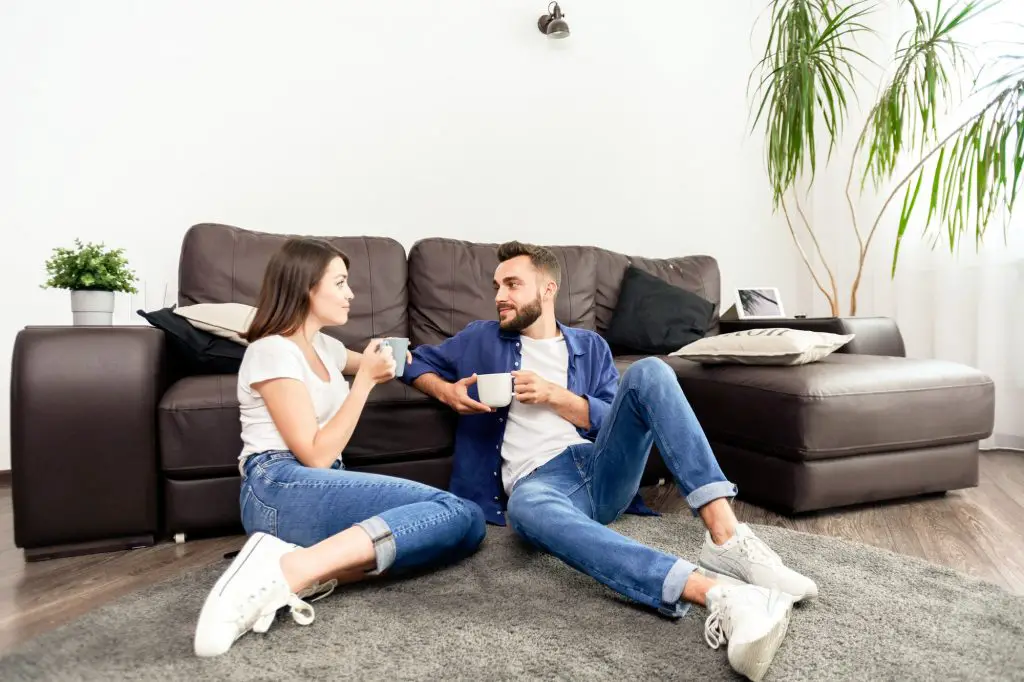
x: 378, y: 364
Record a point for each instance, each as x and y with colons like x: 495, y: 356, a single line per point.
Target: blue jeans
x: 562, y: 506
x: 411, y: 524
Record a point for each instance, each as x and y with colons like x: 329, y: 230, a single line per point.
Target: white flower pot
x: 91, y: 308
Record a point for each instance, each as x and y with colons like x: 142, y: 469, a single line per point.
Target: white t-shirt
x: 536, y: 434
x: 275, y: 357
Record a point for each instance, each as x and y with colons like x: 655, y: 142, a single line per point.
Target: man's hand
x: 532, y: 389
x: 456, y: 396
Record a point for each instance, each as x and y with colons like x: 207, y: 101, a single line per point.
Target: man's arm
x: 604, y: 384
x: 573, y: 408
x: 532, y: 389
x: 434, y: 370
x: 455, y: 396
x: 586, y: 412
x: 432, y: 385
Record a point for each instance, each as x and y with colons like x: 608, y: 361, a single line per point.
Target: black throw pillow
x: 195, y: 351
x: 654, y: 317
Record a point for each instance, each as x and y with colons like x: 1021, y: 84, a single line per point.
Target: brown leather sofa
x: 113, y: 448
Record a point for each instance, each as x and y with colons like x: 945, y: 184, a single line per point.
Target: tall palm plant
x: 805, y: 81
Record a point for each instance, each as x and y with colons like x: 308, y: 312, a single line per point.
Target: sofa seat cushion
x: 200, y: 430
x: 841, y: 406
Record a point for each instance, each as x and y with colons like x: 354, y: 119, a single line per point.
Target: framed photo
x: 755, y: 303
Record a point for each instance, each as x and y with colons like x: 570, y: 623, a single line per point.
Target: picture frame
x: 759, y: 303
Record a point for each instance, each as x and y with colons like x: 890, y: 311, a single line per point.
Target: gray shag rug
x: 510, y: 612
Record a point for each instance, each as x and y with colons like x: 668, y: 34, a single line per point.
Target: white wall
x: 127, y: 122
x: 963, y: 308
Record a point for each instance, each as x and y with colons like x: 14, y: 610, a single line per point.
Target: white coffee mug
x: 495, y: 389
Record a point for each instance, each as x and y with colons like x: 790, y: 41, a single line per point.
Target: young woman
x: 311, y: 523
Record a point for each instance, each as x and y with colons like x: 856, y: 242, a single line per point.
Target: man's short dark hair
x: 542, y: 258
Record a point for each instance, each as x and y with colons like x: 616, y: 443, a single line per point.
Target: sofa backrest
x: 698, y: 274
x: 451, y: 284
x: 225, y: 264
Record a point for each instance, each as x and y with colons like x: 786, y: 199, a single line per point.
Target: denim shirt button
x: 495, y: 473
x: 501, y: 419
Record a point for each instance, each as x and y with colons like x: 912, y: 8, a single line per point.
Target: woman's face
x: 330, y: 299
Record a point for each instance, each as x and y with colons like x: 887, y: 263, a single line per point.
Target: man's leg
x: 650, y: 407
x: 551, y: 509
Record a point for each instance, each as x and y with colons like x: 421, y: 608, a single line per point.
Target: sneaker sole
x: 754, y: 658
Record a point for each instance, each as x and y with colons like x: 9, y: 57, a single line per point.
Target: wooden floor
x: 979, y: 531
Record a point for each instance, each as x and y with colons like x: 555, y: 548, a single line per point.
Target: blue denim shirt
x: 483, y: 348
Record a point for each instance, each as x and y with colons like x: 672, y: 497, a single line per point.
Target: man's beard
x: 525, y: 316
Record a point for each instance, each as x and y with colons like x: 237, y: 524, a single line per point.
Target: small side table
x: 873, y: 335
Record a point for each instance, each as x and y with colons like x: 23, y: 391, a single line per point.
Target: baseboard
x: 1003, y: 441
x: 5, y: 477
x: 93, y: 547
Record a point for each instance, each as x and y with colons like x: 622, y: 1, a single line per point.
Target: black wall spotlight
x: 553, y: 24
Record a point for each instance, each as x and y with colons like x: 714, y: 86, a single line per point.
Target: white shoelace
x: 301, y: 612
x: 318, y: 590
x: 715, y: 626
x: 755, y: 550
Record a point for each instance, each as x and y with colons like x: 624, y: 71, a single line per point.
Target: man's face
x: 519, y: 292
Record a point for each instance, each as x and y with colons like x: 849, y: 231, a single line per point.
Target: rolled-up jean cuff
x: 672, y: 588
x: 709, y: 493
x: 383, y: 542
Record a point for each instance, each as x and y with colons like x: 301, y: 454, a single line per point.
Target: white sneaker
x: 746, y: 558
x: 719, y: 577
x: 753, y: 620
x: 247, y: 597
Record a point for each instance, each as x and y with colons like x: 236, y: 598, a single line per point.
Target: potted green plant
x: 805, y: 82
x: 93, y: 274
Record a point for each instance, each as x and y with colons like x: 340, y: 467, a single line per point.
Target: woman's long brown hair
x: 291, y: 275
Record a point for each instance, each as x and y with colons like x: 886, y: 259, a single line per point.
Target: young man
x: 569, y: 451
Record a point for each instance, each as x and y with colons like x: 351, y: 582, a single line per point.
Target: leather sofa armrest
x: 873, y: 335
x: 84, y: 438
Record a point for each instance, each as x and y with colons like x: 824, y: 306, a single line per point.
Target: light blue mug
x: 399, y: 347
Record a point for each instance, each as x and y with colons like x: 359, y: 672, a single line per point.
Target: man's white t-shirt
x: 536, y: 434
x: 275, y: 357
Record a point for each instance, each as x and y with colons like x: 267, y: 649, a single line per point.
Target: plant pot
x: 92, y: 308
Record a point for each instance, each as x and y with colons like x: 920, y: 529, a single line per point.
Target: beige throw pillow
x: 764, y: 347
x: 221, y: 319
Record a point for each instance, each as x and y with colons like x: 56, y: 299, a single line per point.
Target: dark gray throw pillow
x: 194, y: 351
x: 654, y: 317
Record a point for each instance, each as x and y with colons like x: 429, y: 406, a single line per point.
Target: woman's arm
x: 354, y: 360
x: 291, y: 408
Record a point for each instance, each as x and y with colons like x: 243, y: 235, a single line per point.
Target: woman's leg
x: 345, y: 522
x: 309, y: 525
